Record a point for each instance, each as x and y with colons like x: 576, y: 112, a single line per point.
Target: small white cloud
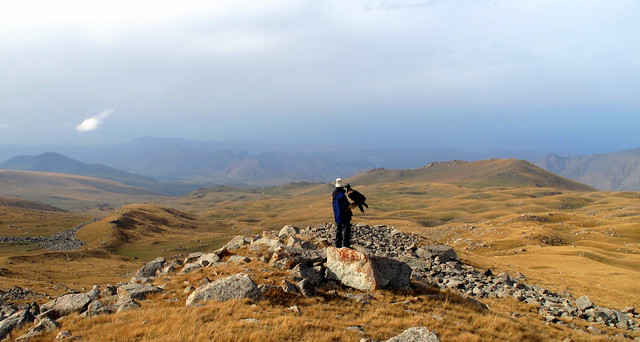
x: 93, y: 122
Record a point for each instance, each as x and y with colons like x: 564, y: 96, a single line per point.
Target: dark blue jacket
x: 341, y: 210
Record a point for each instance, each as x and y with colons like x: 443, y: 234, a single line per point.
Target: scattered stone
x: 208, y: 259
x: 584, y: 303
x: 416, y: 334
x: 96, y: 308
x: 64, y: 335
x: 234, y: 287
x: 16, y: 320
x: 192, y: 258
x: 288, y: 231
x: 126, y: 304
x: 94, y: 293
x: 190, y: 267
x: 283, y: 259
x: 66, y: 304
x: 149, y: 270
x: 239, y: 259
x: 289, y: 287
x: 46, y: 324
x: 296, y: 310
x: 444, y: 253
x: 236, y: 243
x: 137, y: 291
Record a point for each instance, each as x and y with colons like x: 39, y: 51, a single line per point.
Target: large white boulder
x: 366, y: 272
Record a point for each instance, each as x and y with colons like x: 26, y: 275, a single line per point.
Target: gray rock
x: 45, y: 324
x: 302, y: 272
x: 289, y: 287
x: 584, y: 303
x: 193, y: 257
x: 170, y: 267
x: 190, y: 267
x: 208, y: 259
x: 236, y: 243
x: 283, y: 259
x: 234, y: 287
x: 64, y: 335
x: 137, y: 291
x: 288, y: 231
x: 271, y: 243
x: 445, y: 253
x: 238, y: 259
x: 366, y: 272
x: 17, y: 320
x: 300, y: 243
x: 94, y: 293
x: 66, y: 304
x: 126, y: 304
x: 96, y: 308
x: 149, y: 270
x: 417, y: 334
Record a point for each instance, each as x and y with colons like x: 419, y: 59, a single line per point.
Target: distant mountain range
x: 178, y: 166
x: 619, y: 171
x: 55, y: 162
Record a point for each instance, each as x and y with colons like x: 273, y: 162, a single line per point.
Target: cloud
x: 93, y: 122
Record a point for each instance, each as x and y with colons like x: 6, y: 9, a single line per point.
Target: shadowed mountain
x: 483, y: 173
x: 619, y: 171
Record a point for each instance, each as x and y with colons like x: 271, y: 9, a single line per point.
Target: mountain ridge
x: 617, y: 171
x: 483, y: 173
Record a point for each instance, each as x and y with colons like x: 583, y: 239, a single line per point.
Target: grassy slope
x: 76, y: 193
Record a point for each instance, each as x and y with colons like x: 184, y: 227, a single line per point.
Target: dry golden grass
x: 54, y: 273
x: 330, y: 316
x: 27, y: 222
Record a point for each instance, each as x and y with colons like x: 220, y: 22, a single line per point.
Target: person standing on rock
x: 342, y: 213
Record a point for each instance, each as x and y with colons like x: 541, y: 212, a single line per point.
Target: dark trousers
x: 343, y: 235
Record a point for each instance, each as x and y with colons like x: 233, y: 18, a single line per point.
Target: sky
x: 545, y: 75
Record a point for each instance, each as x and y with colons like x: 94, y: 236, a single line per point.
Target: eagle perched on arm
x: 357, y: 198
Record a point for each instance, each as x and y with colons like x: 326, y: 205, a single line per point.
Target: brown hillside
x: 476, y: 174
x: 149, y: 230
x: 14, y: 202
x: 70, y: 192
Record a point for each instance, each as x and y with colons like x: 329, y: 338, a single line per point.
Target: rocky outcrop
x: 68, y: 303
x: 149, y: 270
x: 366, y: 272
x: 234, y: 287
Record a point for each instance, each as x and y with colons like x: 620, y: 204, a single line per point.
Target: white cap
x: 339, y: 183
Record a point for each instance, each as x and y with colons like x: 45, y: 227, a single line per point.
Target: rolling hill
x: 619, y: 171
x: 483, y: 173
x: 14, y: 202
x: 70, y: 192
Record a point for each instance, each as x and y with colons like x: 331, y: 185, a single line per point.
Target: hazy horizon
x: 416, y: 74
